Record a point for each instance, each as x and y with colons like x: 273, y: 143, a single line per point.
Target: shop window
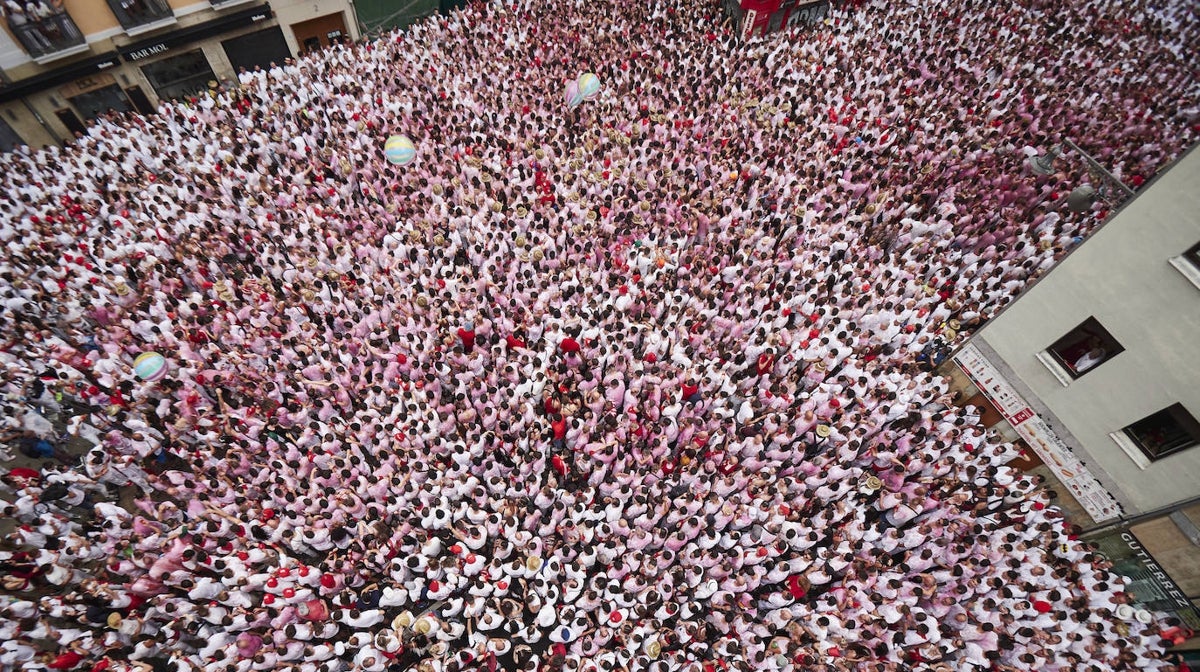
x: 1081, y: 350
x: 101, y: 101
x: 180, y: 76
x: 1188, y: 264
x: 1164, y: 433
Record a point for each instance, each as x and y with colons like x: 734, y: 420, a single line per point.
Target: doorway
x: 72, y: 121
x: 316, y: 34
x: 257, y: 49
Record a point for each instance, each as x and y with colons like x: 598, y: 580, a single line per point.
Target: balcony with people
x: 45, y: 30
x: 142, y: 16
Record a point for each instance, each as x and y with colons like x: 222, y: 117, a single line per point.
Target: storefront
x: 1147, y: 582
x: 175, y: 64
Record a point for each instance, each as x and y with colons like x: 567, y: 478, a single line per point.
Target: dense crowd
x: 644, y: 385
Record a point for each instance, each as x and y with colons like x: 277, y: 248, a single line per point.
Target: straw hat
x: 533, y: 563
x: 423, y: 626
x: 403, y: 620
x: 823, y: 431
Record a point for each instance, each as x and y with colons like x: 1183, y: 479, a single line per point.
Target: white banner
x: 1088, y: 491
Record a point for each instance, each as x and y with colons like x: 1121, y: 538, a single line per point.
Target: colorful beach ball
x: 589, y: 85
x: 399, y: 150
x: 150, y: 366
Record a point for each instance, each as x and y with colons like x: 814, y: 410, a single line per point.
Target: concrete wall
x: 1122, y: 277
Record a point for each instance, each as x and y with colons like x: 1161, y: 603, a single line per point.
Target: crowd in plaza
x: 647, y: 384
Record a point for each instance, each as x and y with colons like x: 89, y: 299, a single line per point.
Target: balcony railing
x: 44, y: 32
x: 134, y: 14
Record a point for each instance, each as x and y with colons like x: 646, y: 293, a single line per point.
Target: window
x: 100, y: 101
x: 1164, y: 433
x: 1083, y: 349
x: 1188, y: 264
x: 1193, y: 255
x: 135, y: 13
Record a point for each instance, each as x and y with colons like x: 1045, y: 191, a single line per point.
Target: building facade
x: 761, y: 17
x: 65, y: 62
x: 1095, y: 368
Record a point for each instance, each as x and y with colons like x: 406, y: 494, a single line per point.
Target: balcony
x: 46, y: 34
x: 224, y: 4
x: 142, y: 16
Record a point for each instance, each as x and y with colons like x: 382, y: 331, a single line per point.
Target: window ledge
x: 152, y: 26
x: 229, y: 3
x: 1054, y: 367
x: 70, y: 51
x: 1187, y: 269
x: 1131, y: 449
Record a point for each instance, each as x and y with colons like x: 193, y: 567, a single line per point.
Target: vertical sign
x: 748, y: 23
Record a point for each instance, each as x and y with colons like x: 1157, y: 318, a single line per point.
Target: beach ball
x: 399, y: 150
x: 573, y: 96
x: 150, y: 366
x: 589, y: 85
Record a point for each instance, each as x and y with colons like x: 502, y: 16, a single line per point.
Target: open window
x: 1158, y: 435
x: 1082, y: 349
x: 1188, y: 264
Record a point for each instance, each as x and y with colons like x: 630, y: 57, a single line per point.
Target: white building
x: 1097, y: 368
